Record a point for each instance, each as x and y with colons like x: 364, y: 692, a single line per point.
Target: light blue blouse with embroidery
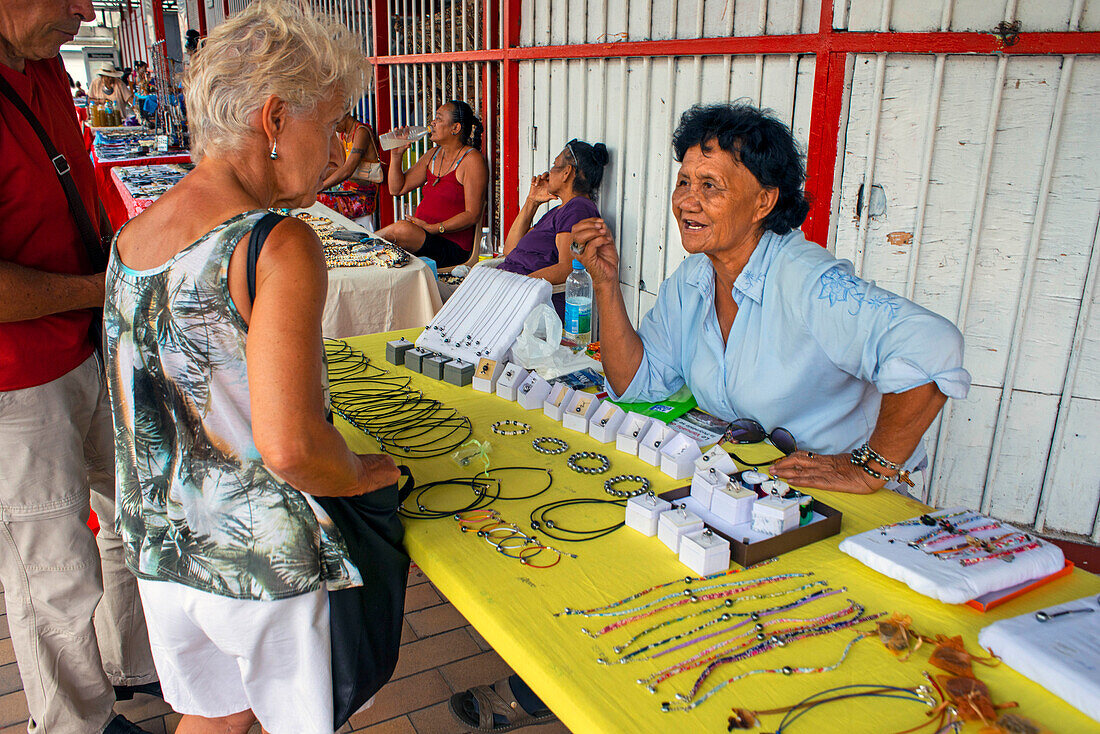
x: 812, y: 347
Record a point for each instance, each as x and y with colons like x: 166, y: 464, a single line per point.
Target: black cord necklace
x: 542, y: 522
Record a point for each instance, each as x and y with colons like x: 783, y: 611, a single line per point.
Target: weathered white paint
x: 967, y: 15
x: 1004, y: 240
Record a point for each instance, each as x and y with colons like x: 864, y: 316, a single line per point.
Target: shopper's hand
x: 540, y: 193
x: 422, y: 224
x: 379, y: 471
x: 597, y: 250
x: 833, y: 472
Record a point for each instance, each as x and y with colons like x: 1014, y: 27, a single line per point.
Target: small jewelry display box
x: 509, y: 381
x: 705, y: 552
x: 486, y: 374
x: 674, y: 524
x: 649, y: 450
x: 678, y: 455
x: 733, y: 502
x: 395, y: 351
x: 704, y: 482
x: 773, y: 515
x: 432, y: 366
x: 605, y: 422
x: 458, y: 372
x: 579, y: 410
x: 560, y: 396
x: 632, y: 431
x: 643, y: 513
x: 716, y: 458
x: 414, y: 359
x: 533, y: 391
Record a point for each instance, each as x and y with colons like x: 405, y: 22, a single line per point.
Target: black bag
x: 365, y: 621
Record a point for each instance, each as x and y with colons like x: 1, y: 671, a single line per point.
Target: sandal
x: 494, y: 709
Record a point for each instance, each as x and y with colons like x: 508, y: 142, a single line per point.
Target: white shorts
x: 218, y: 656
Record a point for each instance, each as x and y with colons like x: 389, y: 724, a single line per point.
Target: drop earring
x: 274, y: 151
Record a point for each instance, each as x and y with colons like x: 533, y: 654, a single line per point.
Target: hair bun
x: 599, y: 154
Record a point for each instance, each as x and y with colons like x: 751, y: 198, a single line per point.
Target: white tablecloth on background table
x: 370, y: 299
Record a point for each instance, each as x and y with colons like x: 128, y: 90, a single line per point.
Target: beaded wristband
x: 537, y: 445
x: 609, y: 485
x: 521, y: 428
x: 574, y: 464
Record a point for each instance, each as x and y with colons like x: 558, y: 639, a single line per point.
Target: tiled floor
x: 441, y: 654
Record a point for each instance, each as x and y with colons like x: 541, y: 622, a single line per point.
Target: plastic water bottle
x: 401, y: 135
x: 578, y: 308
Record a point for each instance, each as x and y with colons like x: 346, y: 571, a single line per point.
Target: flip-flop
x: 492, y: 701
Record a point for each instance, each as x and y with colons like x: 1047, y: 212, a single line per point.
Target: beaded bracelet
x: 521, y: 428
x: 609, y: 485
x: 574, y: 464
x: 865, y: 453
x: 538, y: 445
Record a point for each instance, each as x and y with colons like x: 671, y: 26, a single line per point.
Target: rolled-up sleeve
x: 880, y: 337
x: 661, y: 372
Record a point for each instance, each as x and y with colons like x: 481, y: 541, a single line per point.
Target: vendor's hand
x: 540, y: 193
x: 598, y: 253
x: 422, y: 224
x: 833, y: 472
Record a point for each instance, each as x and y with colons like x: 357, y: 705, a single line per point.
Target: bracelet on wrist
x: 863, y: 455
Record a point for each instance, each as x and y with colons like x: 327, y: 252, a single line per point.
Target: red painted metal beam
x: 1077, y: 42
x: 382, y: 95
x: 158, y: 25
x: 509, y: 106
x: 201, y: 4
x: 446, y: 56
x: 822, y: 151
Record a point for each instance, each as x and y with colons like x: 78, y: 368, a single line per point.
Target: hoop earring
x: 274, y: 153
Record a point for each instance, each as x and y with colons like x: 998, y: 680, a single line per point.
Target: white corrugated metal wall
x: 989, y: 211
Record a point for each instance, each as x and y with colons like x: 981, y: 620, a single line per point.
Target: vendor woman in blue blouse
x: 759, y: 323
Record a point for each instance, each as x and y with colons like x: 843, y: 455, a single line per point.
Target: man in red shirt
x: 56, y: 434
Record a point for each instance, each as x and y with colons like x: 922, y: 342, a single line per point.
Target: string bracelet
x: 685, y: 580
x: 559, y: 446
x: 609, y: 485
x: 784, y: 670
x: 922, y: 520
x: 603, y: 462
x: 501, y: 428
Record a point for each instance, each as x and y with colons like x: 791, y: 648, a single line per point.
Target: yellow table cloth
x: 512, y: 605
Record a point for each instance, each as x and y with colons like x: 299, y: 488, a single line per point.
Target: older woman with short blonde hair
x: 217, y: 394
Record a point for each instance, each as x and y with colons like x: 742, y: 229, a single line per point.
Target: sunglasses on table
x: 747, y: 430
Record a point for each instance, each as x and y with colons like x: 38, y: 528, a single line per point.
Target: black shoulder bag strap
x: 92, y: 243
x: 255, y: 244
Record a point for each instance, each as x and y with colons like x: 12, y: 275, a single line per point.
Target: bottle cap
x: 577, y: 264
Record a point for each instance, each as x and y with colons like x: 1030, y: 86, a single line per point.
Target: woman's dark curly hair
x: 759, y: 142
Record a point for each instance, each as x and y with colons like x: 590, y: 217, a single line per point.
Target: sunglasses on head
x: 747, y: 430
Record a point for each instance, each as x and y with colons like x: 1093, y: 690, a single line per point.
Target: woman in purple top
x: 542, y: 251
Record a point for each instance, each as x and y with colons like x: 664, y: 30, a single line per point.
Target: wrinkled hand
x: 422, y: 224
x: 598, y: 253
x: 540, y: 193
x: 832, y: 472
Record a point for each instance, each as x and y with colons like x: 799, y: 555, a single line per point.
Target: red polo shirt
x: 36, y: 228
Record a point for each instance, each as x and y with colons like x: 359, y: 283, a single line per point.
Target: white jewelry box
x: 532, y: 391
x: 559, y: 396
x: 631, y: 432
x: 678, y: 455
x: 605, y: 422
x: 579, y: 410
x: 733, y: 502
x: 703, y: 484
x: 774, y: 515
x: 509, y: 381
x: 716, y: 458
x: 643, y: 513
x: 485, y: 376
x: 675, y: 524
x: 649, y: 450
x: 705, y: 553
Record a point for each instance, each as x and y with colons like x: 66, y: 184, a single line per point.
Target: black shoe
x: 121, y: 725
x: 126, y: 693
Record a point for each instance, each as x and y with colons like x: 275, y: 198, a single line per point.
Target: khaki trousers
x: 73, y: 609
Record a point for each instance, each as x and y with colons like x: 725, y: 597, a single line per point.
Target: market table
x: 512, y: 605
x: 370, y: 298
x: 135, y: 203
x: 112, y: 201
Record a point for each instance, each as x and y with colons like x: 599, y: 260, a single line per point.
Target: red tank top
x: 443, y: 198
